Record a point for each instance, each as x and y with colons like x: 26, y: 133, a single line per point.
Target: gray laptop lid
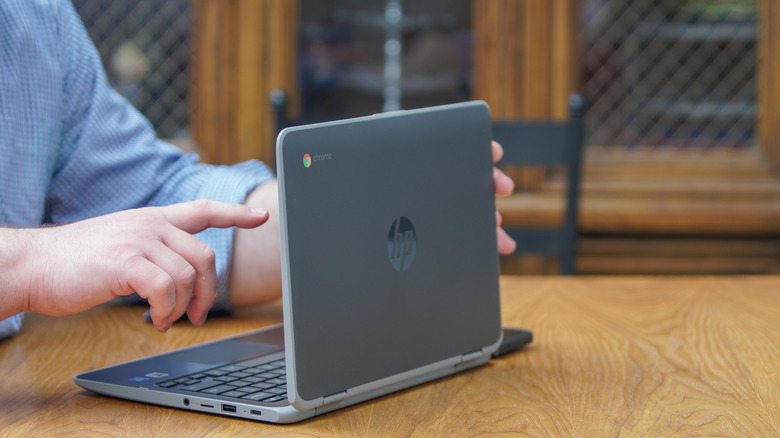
x: 388, y: 246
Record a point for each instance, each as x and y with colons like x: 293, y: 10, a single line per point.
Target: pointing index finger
x: 195, y: 216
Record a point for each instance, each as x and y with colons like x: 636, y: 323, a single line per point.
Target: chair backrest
x: 548, y: 144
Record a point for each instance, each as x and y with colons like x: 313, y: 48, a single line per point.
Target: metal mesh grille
x: 144, y: 45
x: 663, y: 72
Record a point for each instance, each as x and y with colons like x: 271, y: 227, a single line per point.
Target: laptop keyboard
x: 251, y: 380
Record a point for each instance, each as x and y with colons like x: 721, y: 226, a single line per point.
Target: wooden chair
x: 547, y: 144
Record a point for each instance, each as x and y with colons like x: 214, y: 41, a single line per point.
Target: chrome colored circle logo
x: 402, y: 244
x: 306, y: 160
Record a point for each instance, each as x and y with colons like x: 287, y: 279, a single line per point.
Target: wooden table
x: 612, y: 356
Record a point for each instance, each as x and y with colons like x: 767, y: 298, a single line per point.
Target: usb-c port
x: 256, y: 412
x: 228, y: 408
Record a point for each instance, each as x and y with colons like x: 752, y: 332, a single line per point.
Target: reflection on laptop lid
x: 390, y: 274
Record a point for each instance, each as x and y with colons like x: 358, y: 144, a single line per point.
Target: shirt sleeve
x: 111, y: 160
x: 10, y: 326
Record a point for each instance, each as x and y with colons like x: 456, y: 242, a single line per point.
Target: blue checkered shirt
x: 72, y: 148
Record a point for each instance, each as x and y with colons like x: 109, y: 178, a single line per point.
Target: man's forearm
x: 255, y: 274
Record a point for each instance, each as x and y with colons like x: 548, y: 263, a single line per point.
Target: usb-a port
x: 228, y: 408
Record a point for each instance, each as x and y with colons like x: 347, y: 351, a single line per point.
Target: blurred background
x: 682, y: 149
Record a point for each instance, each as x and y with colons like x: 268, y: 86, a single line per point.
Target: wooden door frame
x: 242, y: 49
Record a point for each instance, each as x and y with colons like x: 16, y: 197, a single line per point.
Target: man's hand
x: 504, y: 186
x: 150, y: 251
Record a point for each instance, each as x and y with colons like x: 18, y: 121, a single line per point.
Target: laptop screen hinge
x: 468, y: 357
x: 328, y: 399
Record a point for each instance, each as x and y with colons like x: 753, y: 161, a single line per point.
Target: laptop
x: 389, y: 269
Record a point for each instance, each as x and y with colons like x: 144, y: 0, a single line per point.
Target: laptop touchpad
x: 225, y: 351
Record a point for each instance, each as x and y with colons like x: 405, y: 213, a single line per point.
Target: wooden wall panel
x: 565, y: 63
x: 769, y: 81
x: 242, y: 49
x: 526, y: 56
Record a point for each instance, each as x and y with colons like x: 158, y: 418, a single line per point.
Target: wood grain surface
x: 612, y: 356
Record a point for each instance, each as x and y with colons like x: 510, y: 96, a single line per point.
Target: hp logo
x: 401, y: 244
